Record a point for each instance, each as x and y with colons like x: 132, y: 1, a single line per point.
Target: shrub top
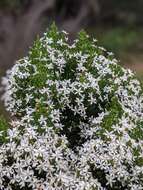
x: 81, y: 94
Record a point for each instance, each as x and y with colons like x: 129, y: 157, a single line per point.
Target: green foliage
x: 3, y: 129
x: 13, y: 5
x: 119, y: 40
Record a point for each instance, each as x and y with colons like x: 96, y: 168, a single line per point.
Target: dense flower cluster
x: 79, y: 119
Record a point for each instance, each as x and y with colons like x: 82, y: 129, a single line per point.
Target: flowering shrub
x: 79, y: 119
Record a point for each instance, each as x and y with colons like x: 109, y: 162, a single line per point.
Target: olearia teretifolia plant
x: 78, y: 119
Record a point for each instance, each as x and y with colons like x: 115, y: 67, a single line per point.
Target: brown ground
x: 135, y: 63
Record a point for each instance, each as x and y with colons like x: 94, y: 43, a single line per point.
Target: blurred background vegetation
x: 117, y: 25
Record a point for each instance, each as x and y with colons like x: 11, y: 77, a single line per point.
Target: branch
x: 29, y: 24
x: 73, y: 25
